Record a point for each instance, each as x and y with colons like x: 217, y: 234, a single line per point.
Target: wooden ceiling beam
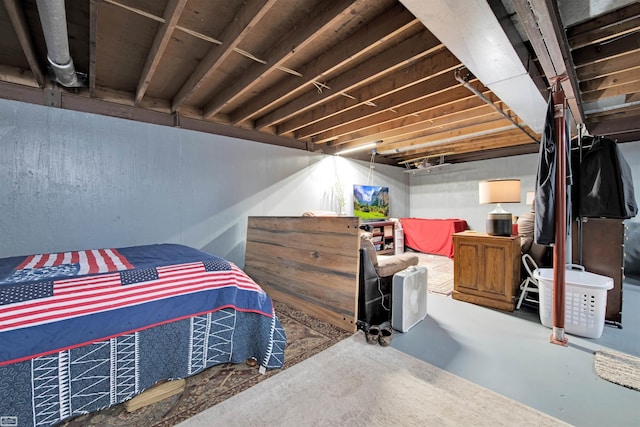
x: 415, y: 122
x: 393, y: 58
x: 320, y: 19
x: 93, y: 37
x: 19, y: 23
x: 591, y: 88
x: 383, y: 28
x: 422, y: 78
x: 542, y: 23
x: 494, y: 153
x: 161, y: 20
x: 172, y: 14
x: 116, y: 107
x: 630, y: 59
x: 606, y: 33
x: 456, y: 152
x: 623, y: 89
x: 603, y: 24
x: 624, y: 129
x: 631, y: 111
x: 471, y: 145
x: 605, y: 51
x: 17, y: 75
x: 451, y: 124
x: 392, y: 105
x: 442, y: 95
x: 449, y: 136
x: 249, y: 14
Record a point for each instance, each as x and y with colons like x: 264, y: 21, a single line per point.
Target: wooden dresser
x: 486, y: 269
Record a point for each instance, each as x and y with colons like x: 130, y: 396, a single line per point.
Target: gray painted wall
x: 72, y: 180
x: 452, y: 191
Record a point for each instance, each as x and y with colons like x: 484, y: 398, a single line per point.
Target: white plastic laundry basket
x: 585, y: 300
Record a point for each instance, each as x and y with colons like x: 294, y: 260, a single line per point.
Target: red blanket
x: 432, y: 236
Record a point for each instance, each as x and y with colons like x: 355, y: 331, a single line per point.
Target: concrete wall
x: 71, y: 180
x: 452, y: 191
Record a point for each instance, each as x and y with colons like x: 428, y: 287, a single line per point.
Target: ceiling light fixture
x: 358, y: 148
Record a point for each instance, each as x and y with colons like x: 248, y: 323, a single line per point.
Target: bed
x: 431, y: 236
x: 81, y: 331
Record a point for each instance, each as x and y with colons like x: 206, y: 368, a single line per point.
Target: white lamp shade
x: 499, y: 191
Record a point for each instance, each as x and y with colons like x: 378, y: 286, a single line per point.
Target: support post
x: 559, y: 247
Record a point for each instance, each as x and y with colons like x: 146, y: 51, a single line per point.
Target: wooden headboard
x: 310, y: 263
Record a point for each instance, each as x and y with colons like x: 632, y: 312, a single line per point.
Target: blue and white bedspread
x: 81, y: 331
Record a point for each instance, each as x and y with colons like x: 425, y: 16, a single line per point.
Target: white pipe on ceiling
x: 472, y: 33
x: 53, y: 19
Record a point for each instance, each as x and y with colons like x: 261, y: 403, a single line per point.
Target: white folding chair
x: 529, y: 284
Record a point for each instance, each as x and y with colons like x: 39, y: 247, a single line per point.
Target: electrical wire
x: 372, y: 165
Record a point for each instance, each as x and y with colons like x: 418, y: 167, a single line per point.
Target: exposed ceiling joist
x: 171, y: 17
x: 547, y: 36
x: 249, y: 14
x: 394, y: 91
x: 383, y: 28
x: 16, y: 15
x: 319, y: 20
x: 392, y: 59
x: 323, y: 76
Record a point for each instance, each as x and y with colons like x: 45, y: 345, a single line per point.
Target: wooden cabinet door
x: 486, y: 269
x: 467, y: 265
x: 496, y: 259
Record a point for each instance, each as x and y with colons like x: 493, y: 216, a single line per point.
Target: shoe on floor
x: 373, y: 333
x: 386, y: 335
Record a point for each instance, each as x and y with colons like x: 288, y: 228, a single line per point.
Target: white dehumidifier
x: 409, y: 297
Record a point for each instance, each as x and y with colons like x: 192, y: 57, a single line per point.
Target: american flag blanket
x: 131, y: 316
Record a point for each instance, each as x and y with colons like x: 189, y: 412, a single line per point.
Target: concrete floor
x: 510, y: 354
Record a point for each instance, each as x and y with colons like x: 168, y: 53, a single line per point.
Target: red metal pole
x: 559, y: 247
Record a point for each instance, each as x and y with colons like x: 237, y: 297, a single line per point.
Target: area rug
x: 439, y: 273
x: 358, y: 384
x: 306, y: 337
x: 619, y: 368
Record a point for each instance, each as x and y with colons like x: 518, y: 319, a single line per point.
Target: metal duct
x: 53, y: 19
x: 472, y: 33
x: 465, y: 83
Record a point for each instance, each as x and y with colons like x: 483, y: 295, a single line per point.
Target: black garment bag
x: 604, y: 183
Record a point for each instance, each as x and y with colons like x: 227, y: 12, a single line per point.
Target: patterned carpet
x: 306, y: 336
x: 439, y: 273
x: 618, y: 368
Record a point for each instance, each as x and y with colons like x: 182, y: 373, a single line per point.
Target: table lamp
x: 499, y: 191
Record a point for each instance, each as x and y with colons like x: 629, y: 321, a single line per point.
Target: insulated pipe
x: 494, y: 106
x: 559, y: 254
x: 53, y: 19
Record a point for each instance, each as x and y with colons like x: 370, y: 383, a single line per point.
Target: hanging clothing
x: 604, y: 185
x: 545, y: 227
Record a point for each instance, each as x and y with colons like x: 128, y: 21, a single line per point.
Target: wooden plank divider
x: 310, y: 263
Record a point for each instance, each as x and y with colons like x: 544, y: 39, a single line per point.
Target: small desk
x: 486, y: 269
